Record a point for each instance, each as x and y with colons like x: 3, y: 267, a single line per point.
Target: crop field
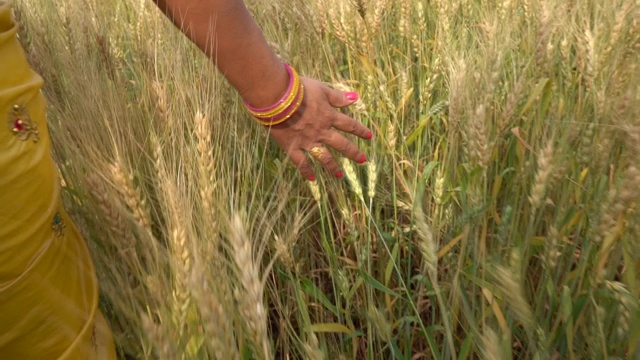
x: 497, y: 216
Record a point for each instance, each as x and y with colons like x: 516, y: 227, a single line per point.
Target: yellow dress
x: 48, y: 286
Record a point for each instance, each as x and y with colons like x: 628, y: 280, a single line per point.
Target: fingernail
x: 351, y: 95
x: 363, y: 159
x: 339, y: 174
x: 368, y: 136
x: 312, y: 178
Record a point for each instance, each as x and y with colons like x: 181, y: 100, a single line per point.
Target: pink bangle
x: 279, y: 102
x: 286, y: 113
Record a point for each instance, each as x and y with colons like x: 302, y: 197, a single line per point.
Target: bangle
x: 284, y: 108
x: 289, y: 88
x: 286, y: 114
x: 285, y: 102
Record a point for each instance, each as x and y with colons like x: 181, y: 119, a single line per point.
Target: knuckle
x: 301, y: 165
x: 325, y: 137
x: 344, y: 145
x: 305, y: 171
x: 326, y: 160
x: 353, y: 126
x: 363, y: 130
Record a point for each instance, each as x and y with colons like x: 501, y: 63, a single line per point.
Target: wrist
x: 286, y: 106
x: 268, y: 89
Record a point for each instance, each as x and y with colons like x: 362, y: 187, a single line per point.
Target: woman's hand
x: 314, y: 128
x: 242, y: 54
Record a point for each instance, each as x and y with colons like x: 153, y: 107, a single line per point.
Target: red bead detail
x: 18, y: 125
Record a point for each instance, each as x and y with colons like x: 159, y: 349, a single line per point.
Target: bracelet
x: 286, y: 114
x: 291, y: 71
x: 284, y: 108
x: 285, y: 102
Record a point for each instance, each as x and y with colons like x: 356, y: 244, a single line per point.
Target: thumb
x: 341, y: 99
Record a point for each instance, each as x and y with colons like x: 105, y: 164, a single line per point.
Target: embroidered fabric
x: 48, y: 287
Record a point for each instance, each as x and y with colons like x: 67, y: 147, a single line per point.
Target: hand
x: 313, y: 127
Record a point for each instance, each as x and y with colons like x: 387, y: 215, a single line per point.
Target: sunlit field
x: 497, y: 216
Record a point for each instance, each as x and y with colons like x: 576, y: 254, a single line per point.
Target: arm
x: 226, y: 32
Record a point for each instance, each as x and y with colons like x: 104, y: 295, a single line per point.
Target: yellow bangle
x: 284, y: 102
x: 292, y: 111
x: 284, y: 105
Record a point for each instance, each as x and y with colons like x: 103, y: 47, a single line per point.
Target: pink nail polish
x: 312, y: 178
x: 368, y: 136
x: 351, y: 96
x: 339, y: 174
x: 363, y: 159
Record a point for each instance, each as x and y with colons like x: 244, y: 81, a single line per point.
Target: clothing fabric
x: 48, y: 286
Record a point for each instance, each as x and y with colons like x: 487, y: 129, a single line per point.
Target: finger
x: 347, y: 124
x: 324, y: 157
x: 302, y: 163
x: 346, y: 147
x: 341, y: 99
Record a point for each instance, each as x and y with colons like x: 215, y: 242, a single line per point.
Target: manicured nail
x: 363, y: 159
x: 312, y: 178
x: 339, y: 174
x: 351, y: 95
x: 368, y: 136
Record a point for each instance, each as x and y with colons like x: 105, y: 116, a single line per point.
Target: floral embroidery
x: 58, y: 225
x: 21, y: 125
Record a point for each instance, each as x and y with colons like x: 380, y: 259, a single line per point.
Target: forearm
x: 225, y: 31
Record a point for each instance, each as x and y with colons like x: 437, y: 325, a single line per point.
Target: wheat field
x: 497, y: 216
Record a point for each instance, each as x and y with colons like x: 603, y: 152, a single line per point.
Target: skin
x: 241, y: 53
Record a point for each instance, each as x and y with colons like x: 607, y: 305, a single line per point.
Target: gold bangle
x: 293, y: 110
x: 286, y: 103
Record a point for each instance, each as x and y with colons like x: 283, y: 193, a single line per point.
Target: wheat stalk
x: 312, y: 348
x: 249, y: 291
x: 492, y: 348
x: 110, y: 213
x: 404, y: 27
x: 542, y: 175
x: 161, y: 104
x: 315, y: 191
x: 372, y: 176
x: 158, y: 338
x: 205, y: 165
x: 478, y: 143
x: 627, y: 306
x: 217, y: 321
x: 379, y: 323
x: 553, y: 247
x: 379, y: 11
x: 351, y: 176
x: 182, y: 267
x: 509, y: 283
x: 131, y: 195
x: 544, y: 35
x: 427, y: 245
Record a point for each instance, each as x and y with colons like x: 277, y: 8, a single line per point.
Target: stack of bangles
x: 284, y: 108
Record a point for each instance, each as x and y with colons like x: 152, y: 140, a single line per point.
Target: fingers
x: 347, y: 124
x: 324, y: 157
x: 341, y: 99
x: 346, y: 147
x: 302, y: 163
x: 318, y: 128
